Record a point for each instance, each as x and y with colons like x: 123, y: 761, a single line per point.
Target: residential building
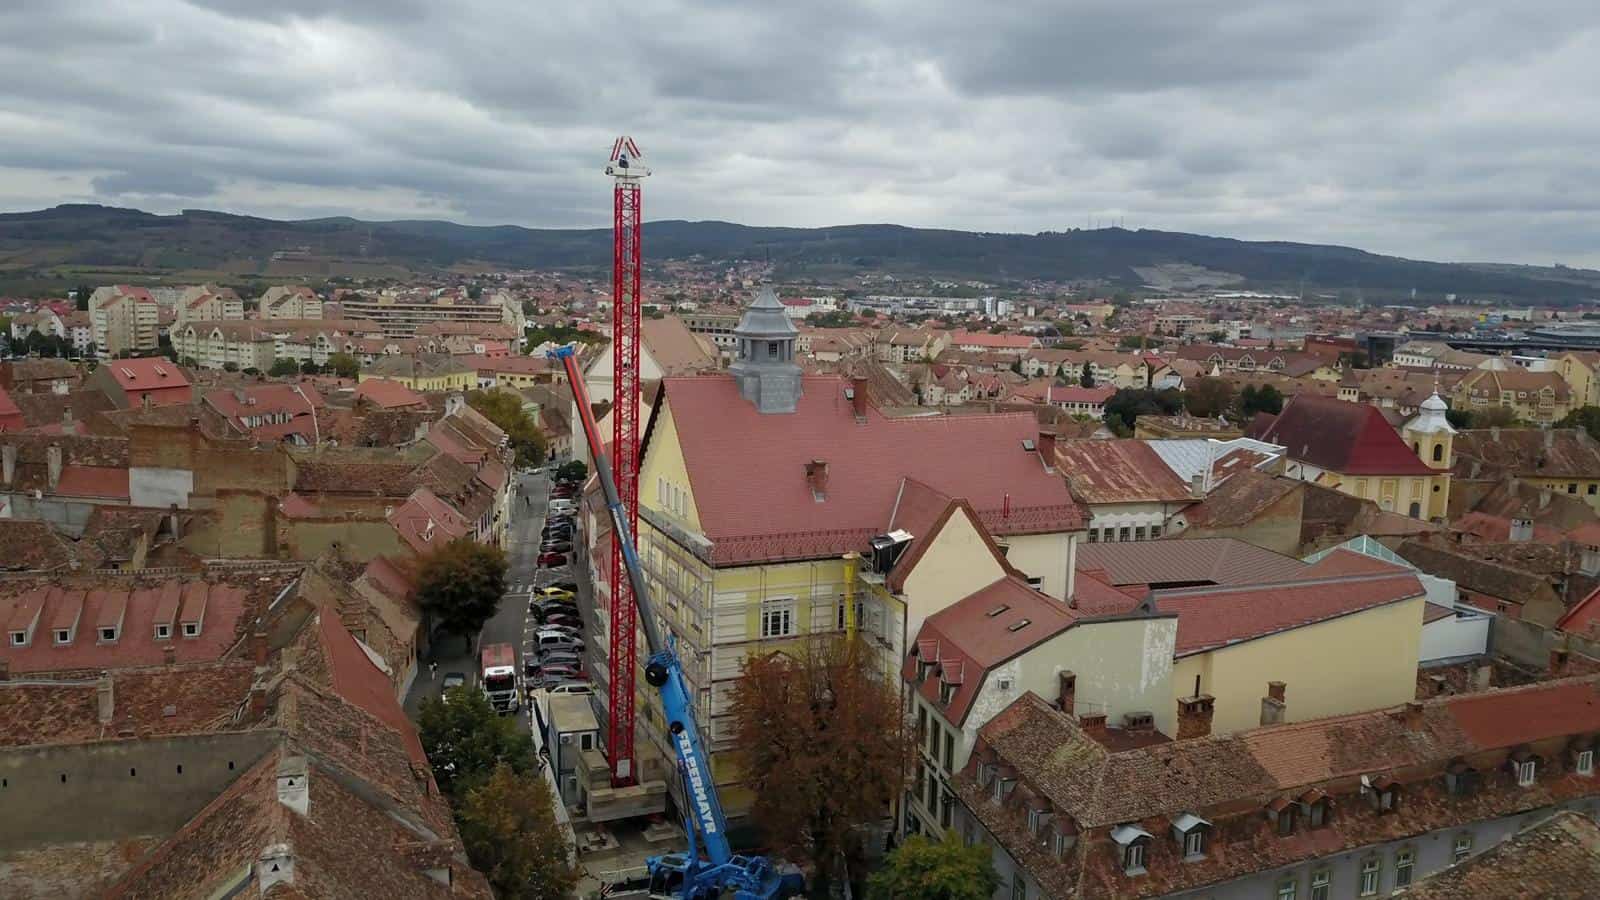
x: 294, y: 302
x: 1251, y: 359
x: 517, y: 371
x: 911, y: 346
x: 716, y: 327
x: 209, y: 304
x: 1581, y: 371
x: 1351, y: 447
x: 1355, y: 805
x: 1539, y: 397
x: 1128, y: 491
x: 471, y: 338
x: 151, y: 381
x: 1562, y: 460
x: 39, y: 376
x: 400, y: 316
x: 1080, y: 401
x: 55, y: 627
x: 834, y: 474
x: 124, y: 319
x: 980, y: 341
x: 271, y: 412
x: 424, y: 372
x: 1556, y: 858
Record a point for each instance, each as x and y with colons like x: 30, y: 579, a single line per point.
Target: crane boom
x: 750, y: 878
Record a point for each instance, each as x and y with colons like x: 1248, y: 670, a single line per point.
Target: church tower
x: 1432, y: 438
x: 765, y: 368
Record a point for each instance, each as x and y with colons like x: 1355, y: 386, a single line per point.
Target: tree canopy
x: 572, y: 470
x: 283, y: 366
x: 921, y: 869
x: 504, y: 408
x: 460, y: 585
x: 1128, y: 404
x: 1208, y: 397
x: 344, y: 365
x: 509, y: 828
x: 465, y: 739
x: 1262, y: 399
x: 822, y: 744
x: 1585, y: 417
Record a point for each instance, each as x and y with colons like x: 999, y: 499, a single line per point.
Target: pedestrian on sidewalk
x: 433, y: 669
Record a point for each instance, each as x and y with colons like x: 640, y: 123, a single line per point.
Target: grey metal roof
x: 765, y: 319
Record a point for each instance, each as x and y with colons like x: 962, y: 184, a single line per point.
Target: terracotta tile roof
x: 676, y: 349
x: 147, y: 374
x: 730, y: 449
x: 107, y: 482
x: 977, y: 633
x: 425, y: 522
x: 1237, y: 501
x: 1529, y: 452
x: 1498, y: 580
x: 1118, y: 471
x: 1079, y: 394
x: 1556, y: 859
x: 148, y: 702
x: 37, y: 547
x: 134, y: 611
x: 1213, y: 617
x: 1188, y: 561
x: 388, y: 394
x: 1347, y: 438
x: 416, y: 365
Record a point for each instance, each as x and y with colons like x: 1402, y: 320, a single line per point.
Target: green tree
x: 508, y: 825
x: 283, y: 366
x: 1493, y: 417
x: 1128, y: 404
x: 1458, y: 418
x: 309, y: 367
x: 460, y: 585
x: 343, y: 365
x: 1208, y: 397
x: 573, y: 470
x: 1087, y: 378
x: 1263, y: 399
x: 504, y: 409
x: 1585, y: 417
x: 80, y: 297
x: 230, y: 367
x: 920, y: 869
x: 1064, y: 328
x: 466, y: 740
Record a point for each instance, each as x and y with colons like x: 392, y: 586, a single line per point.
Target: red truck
x: 499, y: 677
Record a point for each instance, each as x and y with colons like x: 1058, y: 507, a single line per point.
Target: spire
x: 765, y: 366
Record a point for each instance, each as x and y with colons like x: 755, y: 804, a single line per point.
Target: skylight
x: 1018, y: 625
x: 998, y: 610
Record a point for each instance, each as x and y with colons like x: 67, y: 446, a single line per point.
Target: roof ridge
x: 1354, y: 578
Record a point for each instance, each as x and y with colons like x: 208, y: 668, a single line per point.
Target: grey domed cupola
x: 765, y: 368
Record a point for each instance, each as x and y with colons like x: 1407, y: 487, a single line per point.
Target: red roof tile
x: 137, y: 612
x: 1212, y: 617
x: 731, y: 450
x: 1342, y: 437
x: 93, y: 481
x: 1118, y: 471
x: 388, y: 394
x: 363, y: 684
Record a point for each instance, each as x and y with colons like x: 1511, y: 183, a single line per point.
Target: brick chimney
x: 817, y: 477
x: 53, y: 464
x: 1093, y: 724
x: 258, y: 647
x: 1047, y: 448
x: 1558, y: 661
x: 1197, y: 485
x: 1411, y: 714
x: 105, y: 696
x: 1067, y: 691
x: 1273, y: 705
x: 66, y: 420
x: 858, y: 397
x: 1522, y: 529
x: 169, y: 655
x: 1194, y: 716
x: 258, y: 700
x: 8, y: 463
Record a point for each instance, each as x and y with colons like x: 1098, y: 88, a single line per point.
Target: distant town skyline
x: 1425, y: 129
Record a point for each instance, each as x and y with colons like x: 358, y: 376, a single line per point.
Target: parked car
x: 565, y: 585
x: 561, y: 659
x: 570, y: 688
x: 571, y: 631
x: 550, y: 640
x: 563, y: 607
x: 556, y: 547
x: 563, y: 674
x: 551, y: 592
x: 550, y: 559
x: 451, y: 680
x: 569, y: 620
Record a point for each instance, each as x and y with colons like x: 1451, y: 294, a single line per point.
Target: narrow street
x: 508, y: 623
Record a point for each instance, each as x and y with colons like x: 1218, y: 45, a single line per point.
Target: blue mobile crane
x: 719, y: 873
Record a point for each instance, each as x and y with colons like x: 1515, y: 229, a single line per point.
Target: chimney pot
x: 1197, y: 485
x: 1276, y: 689
x: 858, y: 396
x: 1194, y: 716
x: 1093, y: 724
x: 1067, y: 691
x: 1413, y: 715
x: 258, y: 647
x: 1558, y: 660
x: 169, y: 654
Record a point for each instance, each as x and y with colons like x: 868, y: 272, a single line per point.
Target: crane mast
x: 627, y: 173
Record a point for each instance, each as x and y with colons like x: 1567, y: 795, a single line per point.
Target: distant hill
x: 110, y: 238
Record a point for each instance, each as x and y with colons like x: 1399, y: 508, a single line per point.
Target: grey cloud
x: 1419, y: 127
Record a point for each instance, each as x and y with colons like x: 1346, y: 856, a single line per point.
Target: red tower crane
x: 627, y: 173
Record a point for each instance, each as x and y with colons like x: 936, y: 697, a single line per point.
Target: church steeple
x: 765, y: 368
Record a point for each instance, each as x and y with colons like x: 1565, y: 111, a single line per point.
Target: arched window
x: 1438, y: 452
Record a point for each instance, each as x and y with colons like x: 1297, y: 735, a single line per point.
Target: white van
x: 548, y: 640
x: 562, y: 507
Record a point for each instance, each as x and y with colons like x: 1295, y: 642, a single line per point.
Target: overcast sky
x: 1441, y: 129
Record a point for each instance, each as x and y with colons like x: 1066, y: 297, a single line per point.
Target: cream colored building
x: 124, y: 319
x: 294, y: 302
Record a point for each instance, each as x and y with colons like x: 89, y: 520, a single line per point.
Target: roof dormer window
x: 108, y: 634
x: 1133, y: 844
x: 63, y: 635
x: 1385, y: 793
x: 947, y: 692
x: 19, y: 639
x: 1192, y: 834
x: 1526, y: 767
x: 163, y: 632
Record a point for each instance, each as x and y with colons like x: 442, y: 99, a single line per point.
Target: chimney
x: 1197, y: 485
x: 1194, y: 716
x: 858, y: 397
x: 66, y: 419
x: 1273, y: 705
x: 169, y: 655
x: 144, y: 401
x: 1093, y: 724
x: 1549, y: 439
x: 817, y: 477
x: 1412, y: 715
x: 106, y: 697
x: 1047, y: 448
x: 8, y: 463
x: 53, y: 459
x: 1521, y: 530
x: 1483, y: 678
x: 258, y: 647
x: 1067, y: 691
x: 258, y: 701
x: 175, y: 525
x: 1558, y: 661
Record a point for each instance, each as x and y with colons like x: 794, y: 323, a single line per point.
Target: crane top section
x: 625, y: 162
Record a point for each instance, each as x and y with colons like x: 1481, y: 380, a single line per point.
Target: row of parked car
x: 557, y: 658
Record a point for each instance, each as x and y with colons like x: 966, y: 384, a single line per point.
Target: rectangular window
x: 1403, y: 861
x: 933, y: 742
x: 777, y: 618
x: 1122, y: 533
x: 1155, y: 532
x: 1287, y: 889
x: 1194, y: 844
x: 108, y: 634
x: 1370, y: 871
x: 19, y: 639
x: 1525, y: 772
x: 922, y: 722
x: 1094, y: 535
x: 1585, y: 762
x: 932, y: 801
x: 1321, y: 884
x: 949, y: 751
x: 1462, y: 848
x: 1019, y: 887
x: 191, y: 629
x: 1138, y: 533
x: 1133, y: 858
x: 947, y: 809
